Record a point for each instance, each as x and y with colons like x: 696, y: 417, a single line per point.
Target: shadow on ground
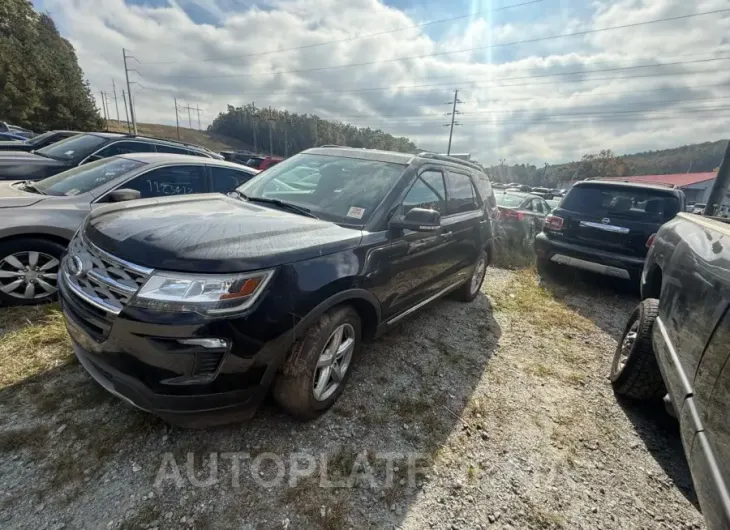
x: 604, y: 300
x: 72, y: 454
x: 660, y: 434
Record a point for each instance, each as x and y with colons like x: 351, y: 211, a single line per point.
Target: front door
x: 418, y: 260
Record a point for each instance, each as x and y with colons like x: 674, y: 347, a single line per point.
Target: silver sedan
x: 37, y: 219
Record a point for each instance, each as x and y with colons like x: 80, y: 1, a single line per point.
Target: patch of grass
x: 34, y: 341
x: 524, y: 297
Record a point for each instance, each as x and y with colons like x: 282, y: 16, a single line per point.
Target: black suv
x: 606, y: 227
x: 191, y: 307
x: 84, y: 148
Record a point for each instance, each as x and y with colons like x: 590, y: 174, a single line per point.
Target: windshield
x: 509, y: 200
x: 86, y: 177
x: 40, y: 138
x: 74, y: 147
x: 622, y: 201
x: 344, y: 190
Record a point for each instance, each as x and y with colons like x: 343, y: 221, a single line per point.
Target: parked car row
x: 251, y: 159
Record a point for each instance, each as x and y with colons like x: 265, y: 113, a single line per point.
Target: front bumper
x: 144, y: 364
x: 587, y: 258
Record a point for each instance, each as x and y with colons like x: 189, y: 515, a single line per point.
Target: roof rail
x: 446, y: 158
x: 178, y: 142
x: 333, y: 145
x: 665, y: 184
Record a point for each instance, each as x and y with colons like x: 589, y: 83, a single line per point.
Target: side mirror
x: 124, y: 194
x: 418, y: 219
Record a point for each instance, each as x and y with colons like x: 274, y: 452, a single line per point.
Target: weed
x: 34, y: 341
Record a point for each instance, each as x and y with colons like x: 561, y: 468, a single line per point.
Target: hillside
x: 216, y: 142
x: 695, y: 158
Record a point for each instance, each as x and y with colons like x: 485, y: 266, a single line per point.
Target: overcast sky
x: 210, y: 53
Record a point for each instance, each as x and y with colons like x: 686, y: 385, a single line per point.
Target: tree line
x: 42, y: 86
x: 290, y: 132
x: 695, y: 158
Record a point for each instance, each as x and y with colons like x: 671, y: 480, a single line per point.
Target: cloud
x: 610, y: 94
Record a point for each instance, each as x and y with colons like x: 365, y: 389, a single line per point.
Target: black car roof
x: 117, y: 136
x: 364, y: 154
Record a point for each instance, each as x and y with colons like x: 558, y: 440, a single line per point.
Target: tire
x: 470, y: 289
x: 634, y: 369
x: 45, y: 254
x: 295, y: 388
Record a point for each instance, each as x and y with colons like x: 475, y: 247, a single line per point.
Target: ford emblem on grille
x: 76, y: 267
x: 605, y: 220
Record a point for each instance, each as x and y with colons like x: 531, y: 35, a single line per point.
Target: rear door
x: 613, y: 217
x: 462, y: 225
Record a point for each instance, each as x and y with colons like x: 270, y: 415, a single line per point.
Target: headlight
x: 210, y: 294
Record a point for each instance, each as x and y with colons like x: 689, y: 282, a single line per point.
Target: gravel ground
x: 495, y: 414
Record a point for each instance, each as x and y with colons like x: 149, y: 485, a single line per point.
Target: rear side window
x: 622, y: 202
x: 462, y: 197
x: 485, y: 189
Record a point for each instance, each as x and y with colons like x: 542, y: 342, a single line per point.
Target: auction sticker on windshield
x: 355, y: 212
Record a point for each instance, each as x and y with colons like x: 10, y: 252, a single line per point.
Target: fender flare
x: 343, y: 296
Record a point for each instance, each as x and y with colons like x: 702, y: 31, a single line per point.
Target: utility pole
x: 103, y: 108
x: 719, y: 189
x: 199, y: 127
x: 286, y: 140
x: 129, y: 91
x: 271, y: 120
x: 255, y: 128
x: 453, y: 114
x: 177, y: 120
x: 116, y: 104
x: 124, y: 98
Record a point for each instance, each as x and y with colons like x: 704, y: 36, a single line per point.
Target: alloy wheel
x: 333, y: 362
x: 623, y: 353
x: 478, y: 275
x: 29, y: 275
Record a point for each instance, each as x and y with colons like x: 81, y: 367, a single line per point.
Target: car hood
x: 18, y: 165
x: 12, y: 197
x: 212, y: 233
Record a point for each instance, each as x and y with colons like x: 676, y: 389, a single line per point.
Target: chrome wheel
x: 333, y: 362
x: 478, y: 275
x: 623, y: 353
x: 29, y: 275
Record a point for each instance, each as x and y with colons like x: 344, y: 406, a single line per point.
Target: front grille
x: 102, y: 280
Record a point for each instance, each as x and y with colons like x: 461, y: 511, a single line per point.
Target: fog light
x: 205, y: 343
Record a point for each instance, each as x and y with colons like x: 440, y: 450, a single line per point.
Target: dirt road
x: 495, y: 414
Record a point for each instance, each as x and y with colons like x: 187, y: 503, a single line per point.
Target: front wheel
x: 29, y: 271
x: 470, y: 289
x: 319, y: 364
x: 634, y: 371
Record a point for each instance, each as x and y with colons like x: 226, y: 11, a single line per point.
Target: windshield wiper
x: 283, y: 204
x: 28, y: 185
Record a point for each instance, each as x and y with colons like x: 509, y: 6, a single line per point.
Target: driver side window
x: 428, y: 191
x: 120, y: 148
x: 170, y: 180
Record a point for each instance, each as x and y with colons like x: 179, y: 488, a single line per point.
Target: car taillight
x: 507, y: 214
x: 650, y: 241
x: 553, y: 222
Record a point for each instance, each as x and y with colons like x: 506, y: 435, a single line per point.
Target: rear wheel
x: 318, y: 366
x: 29, y: 271
x: 634, y: 371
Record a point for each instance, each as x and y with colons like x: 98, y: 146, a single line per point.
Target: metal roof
x: 676, y: 179
x: 364, y: 154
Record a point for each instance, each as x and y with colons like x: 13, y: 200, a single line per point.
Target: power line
x: 356, y: 37
x: 438, y: 54
x: 476, y: 82
x: 453, y: 114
